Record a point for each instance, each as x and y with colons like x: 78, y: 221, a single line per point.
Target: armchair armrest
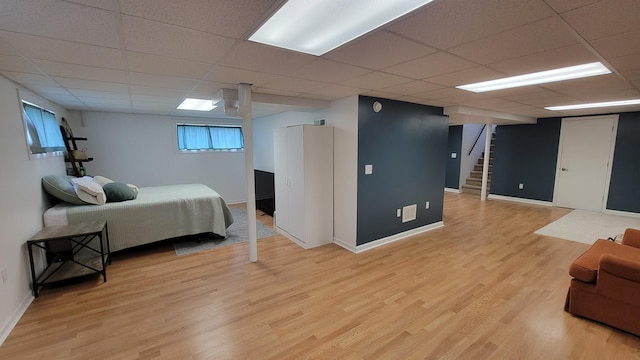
x: 631, y: 237
x: 623, y: 268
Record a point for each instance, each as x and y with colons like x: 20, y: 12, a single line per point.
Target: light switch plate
x: 368, y: 169
x: 454, y: 155
x: 521, y: 186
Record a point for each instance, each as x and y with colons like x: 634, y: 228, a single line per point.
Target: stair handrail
x: 477, y: 138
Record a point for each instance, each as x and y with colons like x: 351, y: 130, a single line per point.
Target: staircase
x: 474, y: 181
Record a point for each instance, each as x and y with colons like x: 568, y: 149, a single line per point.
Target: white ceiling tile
x: 631, y: 74
x: 91, y: 85
x: 430, y: 65
x: 67, y: 101
x: 466, y: 76
x: 58, y: 69
x: 162, y: 65
x: 445, y: 24
x: 618, y: 45
x: 231, y: 75
x: 413, y: 87
x: 170, y: 82
x: 17, y: 64
x: 167, y: 40
x: 229, y: 18
x: 6, y: 48
x: 375, y: 81
x: 36, y: 47
x: 208, y: 88
x: 329, y: 71
x: 627, y: 62
x: 294, y: 84
x: 605, y: 18
x: 61, y: 20
x: 265, y: 90
x: 29, y: 79
x: 379, y: 50
x: 541, y: 36
x: 105, y: 101
x: 174, y: 101
x: 85, y: 93
x: 442, y: 93
x: 258, y: 57
x: 380, y: 94
x: 334, y: 92
x: 546, y: 60
x: 152, y: 90
x: 50, y: 90
x: 566, y: 5
x: 102, y: 4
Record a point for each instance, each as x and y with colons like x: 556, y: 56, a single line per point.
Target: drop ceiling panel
x: 542, y: 36
x: 29, y: 79
x: 294, y: 84
x: 50, y: 90
x: 67, y: 101
x: 257, y: 57
x: 266, y: 90
x: 375, y: 81
x: 379, y: 50
x: 162, y: 65
x: 328, y: 71
x: 546, y: 60
x: 605, y: 18
x: 58, y: 69
x: 171, y: 82
x: 84, y: 93
x: 152, y: 90
x: 430, y: 65
x: 36, y: 47
x: 167, y: 40
x: 618, y: 45
x: 102, y: 4
x: 566, y: 5
x: 17, y: 64
x: 466, y: 76
x: 334, y: 92
x: 229, y: 18
x: 231, y: 75
x: 443, y: 93
x: 91, y: 85
x: 445, y: 24
x: 411, y: 88
x: 61, y: 20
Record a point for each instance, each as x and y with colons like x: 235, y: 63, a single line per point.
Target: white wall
x: 142, y: 150
x: 23, y: 200
x: 263, y: 134
x: 343, y: 116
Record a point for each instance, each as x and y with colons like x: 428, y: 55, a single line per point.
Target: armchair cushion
x: 631, y: 238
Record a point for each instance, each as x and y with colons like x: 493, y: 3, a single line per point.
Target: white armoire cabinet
x: 303, y: 159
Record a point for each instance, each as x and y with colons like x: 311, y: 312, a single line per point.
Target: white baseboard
x: 13, y: 320
x: 520, y: 200
x: 387, y: 240
x: 457, y: 191
x: 622, y: 213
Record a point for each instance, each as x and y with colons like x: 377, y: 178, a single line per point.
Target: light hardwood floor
x: 482, y: 287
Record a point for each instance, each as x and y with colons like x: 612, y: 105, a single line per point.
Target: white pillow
x: 101, y: 180
x: 89, y: 191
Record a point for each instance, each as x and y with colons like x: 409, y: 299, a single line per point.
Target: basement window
x: 209, y: 137
x: 42, y: 131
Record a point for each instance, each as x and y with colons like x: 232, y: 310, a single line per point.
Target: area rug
x: 588, y: 226
x: 237, y: 233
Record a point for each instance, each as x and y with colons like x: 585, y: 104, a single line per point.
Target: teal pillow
x: 61, y: 188
x: 117, y: 192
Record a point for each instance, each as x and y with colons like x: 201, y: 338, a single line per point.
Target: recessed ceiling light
x: 542, y: 77
x: 196, y: 104
x: 317, y: 27
x: 595, y: 105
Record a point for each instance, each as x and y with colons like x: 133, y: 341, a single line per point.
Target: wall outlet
x: 398, y: 212
x: 368, y: 169
x: 520, y: 186
x: 454, y: 155
x: 5, y: 277
x: 426, y: 205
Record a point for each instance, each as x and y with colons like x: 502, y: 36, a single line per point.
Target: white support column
x: 244, y: 110
x: 485, y: 166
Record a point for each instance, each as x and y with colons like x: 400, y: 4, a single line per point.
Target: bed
x: 157, y: 213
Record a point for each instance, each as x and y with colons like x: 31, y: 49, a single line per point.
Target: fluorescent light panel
x: 595, y: 105
x: 542, y: 77
x: 196, y: 104
x: 317, y: 27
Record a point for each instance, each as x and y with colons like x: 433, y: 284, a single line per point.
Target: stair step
x: 471, y: 189
x: 477, y: 182
x: 478, y: 174
x: 479, y: 167
x: 481, y: 161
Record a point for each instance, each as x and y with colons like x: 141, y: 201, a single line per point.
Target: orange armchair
x: 606, y: 283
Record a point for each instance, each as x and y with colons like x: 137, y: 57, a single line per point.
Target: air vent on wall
x: 409, y: 213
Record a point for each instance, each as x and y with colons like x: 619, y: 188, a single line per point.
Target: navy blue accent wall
x: 452, y: 179
x: 625, y: 173
x: 406, y: 144
x: 526, y: 154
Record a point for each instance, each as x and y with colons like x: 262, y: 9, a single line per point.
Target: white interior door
x: 584, y: 162
x: 280, y: 178
x: 295, y: 162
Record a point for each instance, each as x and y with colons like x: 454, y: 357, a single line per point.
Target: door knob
x: 564, y: 169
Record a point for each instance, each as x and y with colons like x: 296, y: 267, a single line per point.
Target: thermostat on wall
x: 377, y: 106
